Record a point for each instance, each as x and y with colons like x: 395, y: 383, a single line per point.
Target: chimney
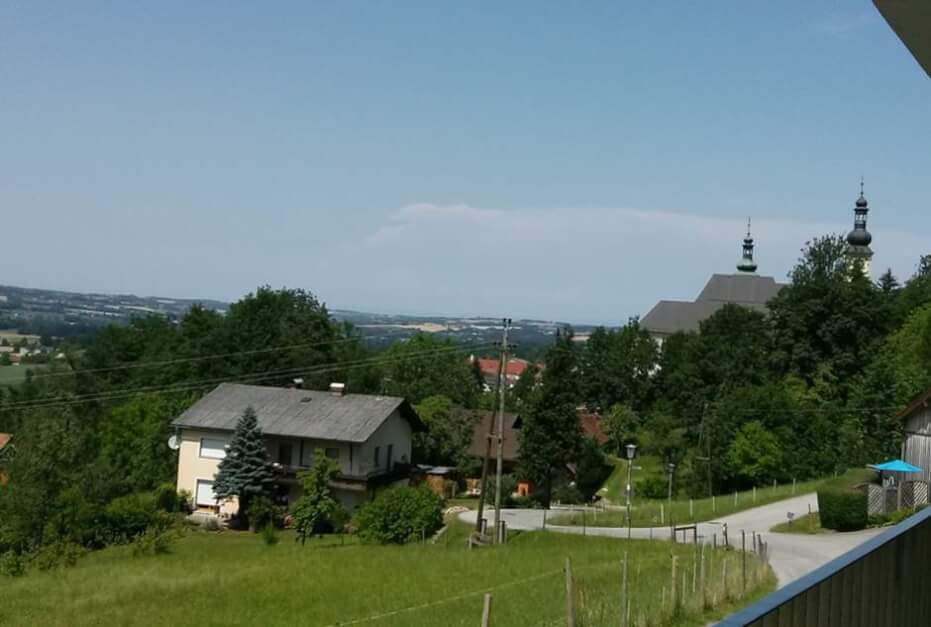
x: 338, y: 389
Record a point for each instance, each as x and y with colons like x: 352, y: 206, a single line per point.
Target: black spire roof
x: 859, y: 238
x: 746, y: 263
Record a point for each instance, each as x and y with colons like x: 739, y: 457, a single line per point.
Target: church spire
x: 859, y: 239
x: 746, y: 263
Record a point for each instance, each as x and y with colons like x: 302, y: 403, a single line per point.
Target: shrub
x: 400, y: 515
x: 508, y: 488
x: 842, y: 505
x: 568, y: 495
x: 263, y: 513
x: 128, y: 516
x: 12, y: 564
x: 167, y: 498
x: 653, y: 487
x: 153, y: 541
x: 57, y: 554
x: 270, y: 535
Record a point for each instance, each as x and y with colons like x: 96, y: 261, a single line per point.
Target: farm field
x: 657, y: 512
x: 235, y: 579
x: 13, y: 375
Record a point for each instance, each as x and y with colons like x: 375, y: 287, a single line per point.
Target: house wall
x: 916, y: 449
x: 191, y: 466
x: 396, y: 430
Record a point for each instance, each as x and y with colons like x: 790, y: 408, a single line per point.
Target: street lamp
x: 672, y: 472
x: 631, y: 450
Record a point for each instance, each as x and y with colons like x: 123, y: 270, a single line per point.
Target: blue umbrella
x: 896, y: 465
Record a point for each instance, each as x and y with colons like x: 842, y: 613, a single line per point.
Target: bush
x: 167, y: 498
x: 842, y: 504
x: 57, y: 554
x: 128, y: 516
x: 568, y: 495
x: 12, y: 564
x: 270, y: 535
x: 508, y: 488
x: 153, y: 541
x: 400, y: 515
x: 653, y: 487
x: 264, y: 513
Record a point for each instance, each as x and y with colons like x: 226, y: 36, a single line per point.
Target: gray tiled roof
x: 741, y: 289
x: 673, y: 316
x: 296, y: 413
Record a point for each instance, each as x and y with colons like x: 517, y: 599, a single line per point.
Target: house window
x: 390, y: 461
x: 377, y: 456
x: 333, y: 453
x: 205, y: 496
x: 212, y: 448
x: 285, y: 451
x: 307, y: 454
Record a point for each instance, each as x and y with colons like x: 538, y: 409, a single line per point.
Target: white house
x: 369, y: 436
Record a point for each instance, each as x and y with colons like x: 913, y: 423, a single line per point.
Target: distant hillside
x: 75, y: 315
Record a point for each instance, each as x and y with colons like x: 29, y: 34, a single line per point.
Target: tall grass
x: 235, y: 579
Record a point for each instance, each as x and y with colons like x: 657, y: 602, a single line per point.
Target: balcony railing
x: 883, y: 582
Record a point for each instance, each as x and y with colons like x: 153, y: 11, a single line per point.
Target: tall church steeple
x: 746, y: 263
x: 859, y: 239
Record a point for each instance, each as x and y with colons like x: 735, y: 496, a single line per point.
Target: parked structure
x: 369, y: 436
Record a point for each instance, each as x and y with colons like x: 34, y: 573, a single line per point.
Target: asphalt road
x: 790, y: 555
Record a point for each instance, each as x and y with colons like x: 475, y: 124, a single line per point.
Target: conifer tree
x: 551, y: 434
x: 244, y: 472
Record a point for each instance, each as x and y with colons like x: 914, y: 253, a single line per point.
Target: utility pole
x: 502, y: 394
x: 483, y: 489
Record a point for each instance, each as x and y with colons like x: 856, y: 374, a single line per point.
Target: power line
x: 250, y: 377
x: 168, y: 362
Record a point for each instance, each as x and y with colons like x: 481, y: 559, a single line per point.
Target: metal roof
x: 740, y: 289
x: 299, y: 413
x: 911, y: 21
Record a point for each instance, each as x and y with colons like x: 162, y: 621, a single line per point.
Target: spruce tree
x: 551, y: 434
x: 244, y: 472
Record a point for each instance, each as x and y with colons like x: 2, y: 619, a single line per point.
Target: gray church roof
x: 299, y: 413
x: 750, y: 290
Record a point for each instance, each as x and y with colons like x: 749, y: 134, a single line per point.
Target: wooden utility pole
x: 483, y: 489
x: 570, y: 595
x: 502, y: 395
x: 486, y: 611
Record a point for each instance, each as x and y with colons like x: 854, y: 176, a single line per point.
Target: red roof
x: 591, y: 426
x: 516, y: 367
x: 4, y: 438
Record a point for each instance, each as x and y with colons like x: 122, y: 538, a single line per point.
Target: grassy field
x: 235, y: 579
x: 809, y: 524
x: 656, y: 512
x: 13, y: 375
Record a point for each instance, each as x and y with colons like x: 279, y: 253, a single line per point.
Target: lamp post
x: 631, y: 450
x: 672, y: 472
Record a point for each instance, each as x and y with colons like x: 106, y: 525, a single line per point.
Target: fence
x: 904, y: 495
x: 882, y: 583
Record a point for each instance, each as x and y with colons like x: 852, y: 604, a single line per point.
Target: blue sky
x: 542, y: 159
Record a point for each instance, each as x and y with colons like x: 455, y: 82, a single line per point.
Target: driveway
x: 790, y: 555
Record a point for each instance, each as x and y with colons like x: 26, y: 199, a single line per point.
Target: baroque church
x: 746, y: 287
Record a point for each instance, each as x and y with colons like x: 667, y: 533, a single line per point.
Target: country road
x: 791, y: 555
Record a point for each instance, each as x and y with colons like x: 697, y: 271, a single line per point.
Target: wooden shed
x: 916, y: 445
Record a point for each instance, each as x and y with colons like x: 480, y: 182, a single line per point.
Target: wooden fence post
x: 754, y: 494
x: 691, y: 511
x: 714, y: 507
x: 743, y: 554
x: 544, y: 520
x: 662, y: 515
x: 672, y: 584
x: 570, y: 595
x: 486, y: 611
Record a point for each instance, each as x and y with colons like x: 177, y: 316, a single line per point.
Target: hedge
x: 842, y: 503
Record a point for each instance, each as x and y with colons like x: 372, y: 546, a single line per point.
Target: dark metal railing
x: 884, y: 582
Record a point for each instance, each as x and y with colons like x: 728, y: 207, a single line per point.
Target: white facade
x: 201, y: 452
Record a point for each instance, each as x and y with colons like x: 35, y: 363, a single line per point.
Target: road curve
x: 790, y: 555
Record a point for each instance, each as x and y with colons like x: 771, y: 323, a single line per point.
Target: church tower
x: 859, y: 239
x: 746, y: 263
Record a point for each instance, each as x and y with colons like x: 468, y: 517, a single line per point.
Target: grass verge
x: 809, y: 524
x: 656, y: 513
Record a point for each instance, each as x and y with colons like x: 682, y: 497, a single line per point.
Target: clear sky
x: 573, y: 161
